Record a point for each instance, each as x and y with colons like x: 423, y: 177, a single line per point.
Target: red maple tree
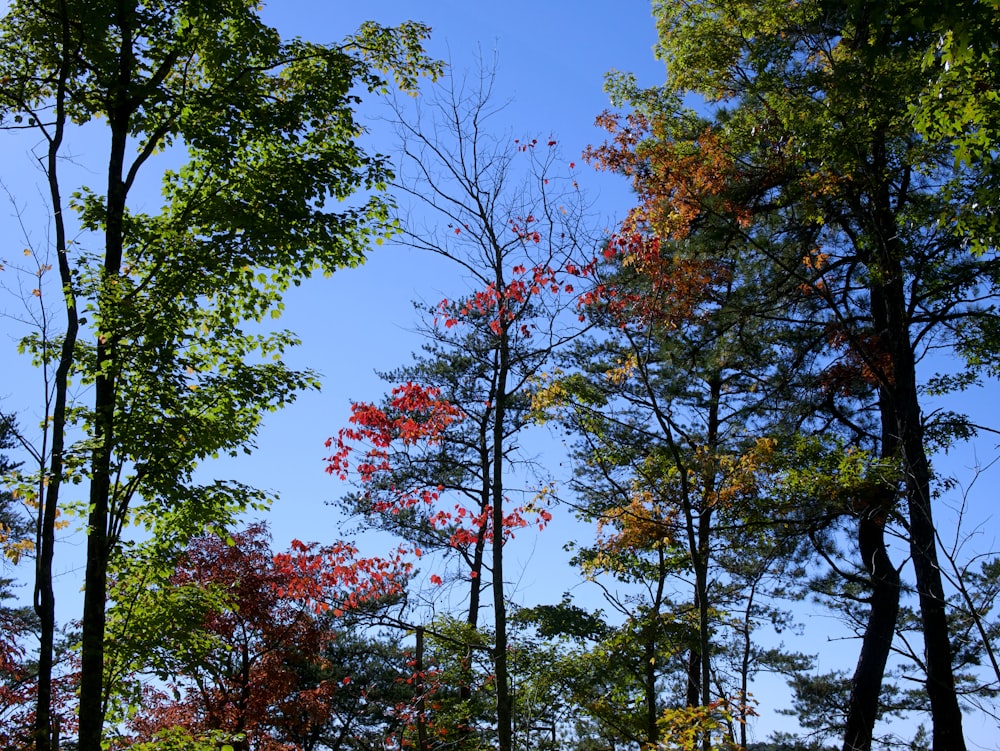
x: 258, y: 678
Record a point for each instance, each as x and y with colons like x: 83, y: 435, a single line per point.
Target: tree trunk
x: 420, y: 689
x: 46, y: 726
x: 99, y: 542
x: 504, y: 702
x: 94, y: 616
x: 866, y: 684
x: 475, y: 593
x: 693, y: 677
x: 946, y: 715
x: 702, y: 558
x: 901, y: 416
x: 649, y: 681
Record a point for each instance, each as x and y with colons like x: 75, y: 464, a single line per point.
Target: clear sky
x: 552, y: 57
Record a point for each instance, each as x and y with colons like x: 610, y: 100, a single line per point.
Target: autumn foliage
x: 503, y: 305
x: 413, y: 414
x: 258, y: 678
x: 677, y: 182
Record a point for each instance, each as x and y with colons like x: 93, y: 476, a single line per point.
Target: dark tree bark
x: 866, y: 684
x: 505, y: 704
x: 99, y: 540
x: 902, y: 426
x: 46, y: 729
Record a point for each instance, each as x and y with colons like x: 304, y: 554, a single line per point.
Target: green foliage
x: 181, y: 739
x: 960, y: 102
x: 15, y: 528
x: 563, y: 621
x: 252, y: 113
x: 155, y: 629
x: 837, y: 479
x: 456, y: 690
x: 263, y: 184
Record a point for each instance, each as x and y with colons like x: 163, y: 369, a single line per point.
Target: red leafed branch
x: 19, y: 684
x: 679, y: 181
x: 503, y: 306
x: 414, y: 413
x: 334, y: 577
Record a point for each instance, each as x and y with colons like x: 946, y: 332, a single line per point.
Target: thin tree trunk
x: 693, y: 677
x: 419, y: 688
x: 475, y: 594
x: 649, y: 682
x: 703, y: 556
x: 946, y: 715
x: 46, y: 733
x: 504, y: 701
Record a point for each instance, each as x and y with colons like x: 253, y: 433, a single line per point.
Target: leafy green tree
x: 156, y: 304
x: 549, y: 641
x: 666, y: 405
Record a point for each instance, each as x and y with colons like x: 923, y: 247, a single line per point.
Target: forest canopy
x: 693, y: 464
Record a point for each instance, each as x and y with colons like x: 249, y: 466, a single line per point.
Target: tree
x: 675, y: 411
x: 16, y: 623
x: 516, y: 233
x: 811, y: 140
x: 404, y: 471
x: 246, y: 641
x: 155, y: 312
